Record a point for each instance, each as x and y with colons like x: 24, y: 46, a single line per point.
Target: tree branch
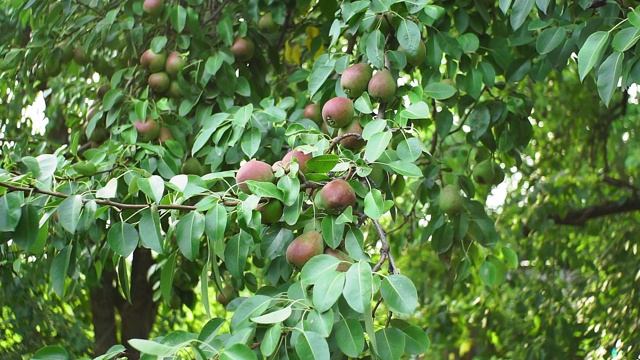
x: 385, y: 251
x: 579, y: 217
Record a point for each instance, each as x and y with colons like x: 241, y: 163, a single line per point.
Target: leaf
x: 479, y: 122
x: 319, y: 74
x: 417, y: 111
x: 249, y: 308
x: 189, y: 230
x: 357, y: 287
x: 166, y: 277
x: 408, y: 35
x: 399, y: 293
x: 124, y: 279
x: 390, y: 343
x: 271, y: 340
x: 377, y: 145
x: 153, y: 187
x: 273, y: 317
x: 26, y: 233
x: 608, y: 76
x: 122, y: 238
x: 323, y: 163
x: 178, y: 18
x: 374, y: 204
x: 10, y: 210
x: 373, y: 127
x: 238, y: 352
x: 236, y: 252
x: 59, y: 267
x: 349, y: 336
x: 264, y: 189
x: 591, y: 52
x: 251, y: 140
x: 634, y: 17
x: 375, y: 49
x: 440, y: 90
x: 550, y: 39
x: 51, y: 353
x: 243, y: 115
x: 317, y: 267
x: 322, y: 323
x: 216, y: 222
x: 109, y: 190
x: 327, y: 290
x: 416, y: 340
x: 520, y: 12
x: 410, y: 149
x: 405, y: 168
x: 488, y: 274
x: 310, y: 345
x: 625, y: 39
x: 149, y: 228
x: 152, y: 348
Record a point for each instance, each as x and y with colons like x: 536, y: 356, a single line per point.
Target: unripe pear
x: 152, y: 61
x: 419, y: 57
x: 499, y: 174
x: 159, y: 82
x: 192, y: 167
x: 355, y: 78
x: 148, y: 130
x: 271, y: 211
x: 266, y: 23
x: 353, y: 143
x: 338, y: 112
x: 174, y: 90
x: 253, y: 170
x: 303, y: 248
x: 484, y: 173
x: 382, y: 86
x: 80, y: 56
x: 165, y: 135
x: 345, y: 260
x: 153, y: 7
x: 174, y: 64
x: 227, y: 294
x: 313, y: 113
x: 336, y: 196
x: 301, y: 157
x: 450, y: 200
x: 243, y: 49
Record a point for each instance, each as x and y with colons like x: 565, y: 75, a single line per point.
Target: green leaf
x: 634, y: 17
x: 10, y: 210
x: 520, y: 12
x: 51, y: 353
x: 124, y: 279
x: 357, y: 287
x: 166, y: 277
x: 405, y: 168
x: 216, y: 222
x: 213, y: 64
x: 178, y: 18
x: 238, y: 352
x: 410, y: 149
x: 109, y: 190
x: 479, y: 121
x: 408, y: 35
x: 273, y: 317
x: 26, y: 233
x: 399, y: 293
x: 122, y: 238
x: 243, y: 115
x: 469, y: 42
x: 349, y: 336
x: 374, y: 204
x: 311, y: 345
x: 440, y: 90
x: 149, y: 228
x: 264, y: 189
x: 332, y: 232
x: 608, y: 76
x: 625, y: 39
x: 390, y: 343
x: 317, y: 267
x: 373, y: 127
x: 152, y: 348
x: 251, y: 140
x: 375, y: 49
x: 322, y: 323
x: 290, y: 188
x: 363, y: 104
x: 249, y: 308
x: 550, y: 39
x: 416, y: 340
x: 510, y: 257
x: 327, y: 290
x: 189, y: 230
x: 442, y: 238
x: 377, y: 145
x: 59, y: 267
x: 153, y: 187
x: 323, y: 163
x: 236, y: 252
x: 488, y: 274
x: 591, y: 52
x: 417, y: 111
x: 319, y: 74
x: 271, y: 340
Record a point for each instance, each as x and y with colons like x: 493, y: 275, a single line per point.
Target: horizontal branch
x: 579, y: 217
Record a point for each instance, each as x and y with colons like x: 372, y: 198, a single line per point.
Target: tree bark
x: 103, y: 301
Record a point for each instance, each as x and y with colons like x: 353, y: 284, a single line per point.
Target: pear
x: 484, y: 172
x: 271, y: 211
x: 148, y: 130
x: 174, y: 64
x: 450, y: 200
x: 499, y: 174
x: 80, y: 56
x: 301, y: 157
x: 313, y: 113
x: 152, y: 61
x: 419, y: 57
x: 382, y: 86
x: 267, y: 24
x: 345, y: 260
x: 153, y: 7
x: 159, y: 82
x: 336, y: 196
x: 227, y: 294
x: 192, y: 167
x: 355, y: 78
x: 243, y: 49
x: 338, y: 112
x: 352, y: 142
x: 303, y: 248
x: 253, y: 170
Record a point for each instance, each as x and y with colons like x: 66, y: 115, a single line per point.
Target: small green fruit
x: 271, y: 212
x: 192, y: 167
x: 499, y: 174
x: 418, y: 58
x: 484, y: 173
x: 338, y: 112
x: 267, y: 24
x: 152, y: 61
x: 313, y: 113
x: 450, y: 200
x: 303, y: 248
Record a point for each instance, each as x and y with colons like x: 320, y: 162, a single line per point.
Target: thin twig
x: 336, y: 140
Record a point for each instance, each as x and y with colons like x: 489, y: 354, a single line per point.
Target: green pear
x: 450, y: 200
x: 484, y: 172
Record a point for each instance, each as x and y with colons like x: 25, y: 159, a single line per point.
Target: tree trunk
x: 139, y: 316
x: 103, y: 301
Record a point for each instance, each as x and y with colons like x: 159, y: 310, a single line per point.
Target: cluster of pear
x: 164, y: 70
x: 310, y: 244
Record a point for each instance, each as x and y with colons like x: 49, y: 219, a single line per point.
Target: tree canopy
x: 299, y: 179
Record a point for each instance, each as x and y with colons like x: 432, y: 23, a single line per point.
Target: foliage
x: 108, y: 182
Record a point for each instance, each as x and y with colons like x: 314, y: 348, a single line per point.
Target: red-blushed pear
x: 353, y: 143
x: 148, y: 130
x: 345, y: 260
x: 174, y: 90
x: 153, y: 7
x: 336, y: 196
x: 243, y: 49
x: 301, y: 157
x: 382, y: 86
x: 254, y: 170
x: 174, y: 64
x: 338, y: 112
x: 271, y: 212
x: 313, y: 113
x: 152, y: 61
x: 355, y: 78
x: 303, y: 248
x: 159, y: 82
